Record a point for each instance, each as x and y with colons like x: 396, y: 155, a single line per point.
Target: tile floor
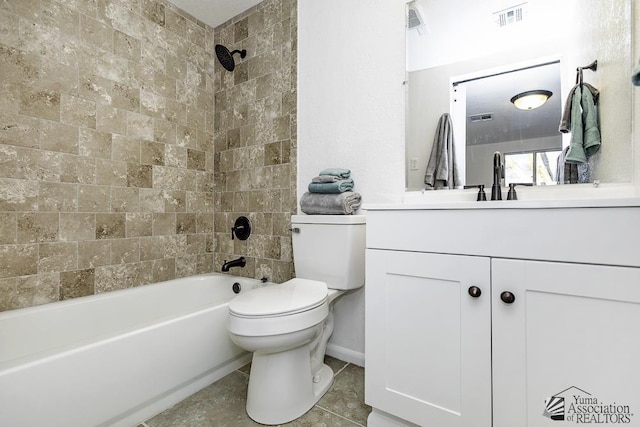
x: 223, y: 403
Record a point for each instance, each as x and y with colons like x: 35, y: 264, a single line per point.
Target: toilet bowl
x: 287, y: 326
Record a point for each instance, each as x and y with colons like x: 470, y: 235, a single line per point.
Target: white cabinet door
x: 566, y: 350
x: 428, y: 341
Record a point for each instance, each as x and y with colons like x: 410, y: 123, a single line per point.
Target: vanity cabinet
x: 472, y: 338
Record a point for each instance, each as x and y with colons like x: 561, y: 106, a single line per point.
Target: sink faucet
x: 240, y: 262
x: 498, y: 171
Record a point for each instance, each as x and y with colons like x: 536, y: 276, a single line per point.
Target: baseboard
x: 345, y: 354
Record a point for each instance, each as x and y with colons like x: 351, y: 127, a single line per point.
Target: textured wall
x: 106, y: 147
x: 255, y: 139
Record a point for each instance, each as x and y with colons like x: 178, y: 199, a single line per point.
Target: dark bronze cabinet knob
x: 475, y: 291
x: 507, y: 297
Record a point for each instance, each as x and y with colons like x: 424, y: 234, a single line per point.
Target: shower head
x: 226, y: 58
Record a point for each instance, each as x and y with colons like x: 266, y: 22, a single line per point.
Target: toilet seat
x: 294, y: 296
x: 279, y: 309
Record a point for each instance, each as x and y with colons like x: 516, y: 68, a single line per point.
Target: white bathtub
x: 116, y: 359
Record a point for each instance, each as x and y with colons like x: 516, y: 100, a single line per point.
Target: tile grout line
x: 338, y: 415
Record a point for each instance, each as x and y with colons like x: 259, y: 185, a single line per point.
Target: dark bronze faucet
x: 498, y: 172
x: 240, y: 262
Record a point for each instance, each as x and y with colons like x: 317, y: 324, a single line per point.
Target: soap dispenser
x: 482, y: 197
x: 511, y: 195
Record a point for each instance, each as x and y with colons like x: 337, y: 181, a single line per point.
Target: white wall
x: 351, y: 68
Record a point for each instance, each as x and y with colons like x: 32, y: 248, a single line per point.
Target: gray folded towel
x: 339, y: 186
x: 339, y: 172
x: 346, y: 203
x: 326, y: 178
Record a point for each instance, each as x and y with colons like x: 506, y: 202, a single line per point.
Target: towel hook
x: 593, y: 67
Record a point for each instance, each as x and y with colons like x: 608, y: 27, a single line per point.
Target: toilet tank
x: 330, y: 248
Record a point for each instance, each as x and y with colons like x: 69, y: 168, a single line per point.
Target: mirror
x: 454, y: 41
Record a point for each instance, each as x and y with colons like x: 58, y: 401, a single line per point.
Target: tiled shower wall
x: 106, y: 144
x: 255, y: 139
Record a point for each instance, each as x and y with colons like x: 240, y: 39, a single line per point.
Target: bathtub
x: 118, y: 358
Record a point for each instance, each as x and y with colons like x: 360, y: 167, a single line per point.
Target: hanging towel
x: 339, y: 186
x: 339, y: 172
x: 581, y: 119
x: 346, y: 203
x: 442, y: 169
x: 565, y: 123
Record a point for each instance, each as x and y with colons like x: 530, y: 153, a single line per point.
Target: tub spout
x: 240, y: 262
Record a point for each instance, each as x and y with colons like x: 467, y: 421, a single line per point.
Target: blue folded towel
x: 339, y: 186
x: 342, y: 173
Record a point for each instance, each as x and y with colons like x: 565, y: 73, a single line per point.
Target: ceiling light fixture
x: 531, y: 99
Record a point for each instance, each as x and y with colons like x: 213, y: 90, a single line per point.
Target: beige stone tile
x: 58, y: 197
x: 175, y: 22
x: 125, y: 199
x: 151, y: 248
x: 165, y: 85
x: 22, y: 67
x: 37, y: 289
x: 126, y: 46
x: 139, y: 273
x: 19, y: 130
x: 77, y: 111
x: 153, y: 57
x: 77, y: 283
x: 112, y: 67
x: 93, y: 198
x: 18, y: 195
x: 164, y: 223
x: 152, y: 153
x: 346, y: 395
x: 9, y: 24
x: 8, y: 294
x: 18, y: 260
x: 95, y: 33
x: 204, y: 223
x: 152, y: 103
x: 62, y: 78
x: 139, y: 224
x: 139, y: 126
x: 37, y: 165
x: 175, y: 156
x: 112, y: 173
x: 75, y: 169
x: 8, y: 227
x: 124, y: 251
x: 77, y: 226
x: 187, y: 266
x: 126, y: 97
x: 186, y: 224
x: 58, y: 137
x: 111, y: 119
x: 174, y: 200
x: 186, y: 137
x: 126, y: 149
x: 94, y: 253
x: 110, y: 225
x: 196, y: 159
x: 110, y: 278
x: 152, y: 200
x: 43, y: 103
x: 139, y: 176
x: 93, y: 143
x: 175, y: 245
x: 35, y: 227
x: 164, y: 269
x: 98, y: 89
x: 61, y: 256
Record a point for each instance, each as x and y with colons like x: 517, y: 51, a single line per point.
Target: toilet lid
x: 293, y: 296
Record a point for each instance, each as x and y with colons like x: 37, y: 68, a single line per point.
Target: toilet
x: 287, y: 326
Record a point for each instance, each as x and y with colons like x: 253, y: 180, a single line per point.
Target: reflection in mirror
x: 458, y: 38
x: 487, y: 121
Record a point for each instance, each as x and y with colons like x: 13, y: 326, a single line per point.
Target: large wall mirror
x: 469, y: 59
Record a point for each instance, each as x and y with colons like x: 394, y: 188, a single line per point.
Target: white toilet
x: 287, y: 325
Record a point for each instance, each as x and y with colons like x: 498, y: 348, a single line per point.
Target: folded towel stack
x: 330, y: 193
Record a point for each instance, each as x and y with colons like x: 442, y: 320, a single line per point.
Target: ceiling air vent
x: 510, y: 16
x: 484, y: 117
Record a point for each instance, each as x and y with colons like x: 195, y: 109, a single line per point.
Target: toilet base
x: 282, y: 387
